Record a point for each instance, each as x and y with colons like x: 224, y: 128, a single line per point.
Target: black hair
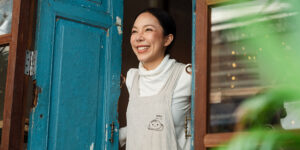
x: 165, y: 20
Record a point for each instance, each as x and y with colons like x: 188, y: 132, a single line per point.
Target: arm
x: 122, y: 136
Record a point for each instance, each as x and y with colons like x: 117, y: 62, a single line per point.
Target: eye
x: 133, y: 31
x: 149, y: 29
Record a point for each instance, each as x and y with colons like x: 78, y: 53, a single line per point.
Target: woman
x: 159, y: 90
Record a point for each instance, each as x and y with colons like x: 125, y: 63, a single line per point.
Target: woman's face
x: 147, y: 39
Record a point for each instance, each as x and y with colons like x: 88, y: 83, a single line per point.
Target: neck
x: 153, y: 64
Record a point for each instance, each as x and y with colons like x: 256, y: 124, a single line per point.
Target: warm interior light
x: 234, y: 65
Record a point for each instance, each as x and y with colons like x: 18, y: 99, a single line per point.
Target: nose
x: 140, y: 37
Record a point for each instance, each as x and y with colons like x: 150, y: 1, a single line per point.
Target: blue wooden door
x: 78, y: 44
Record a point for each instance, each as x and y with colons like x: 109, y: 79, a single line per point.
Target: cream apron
x: 149, y: 119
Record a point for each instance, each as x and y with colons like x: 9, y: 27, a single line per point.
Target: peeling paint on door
x: 92, y: 146
x: 119, y: 25
x: 106, y: 133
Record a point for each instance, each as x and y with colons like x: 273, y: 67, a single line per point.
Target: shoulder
x: 184, y: 82
x: 186, y: 76
x: 129, y: 77
x: 186, y: 72
x: 131, y: 72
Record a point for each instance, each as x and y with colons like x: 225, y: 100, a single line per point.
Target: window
x: 4, y: 49
x: 5, y: 29
x: 226, y: 71
x: 5, y: 16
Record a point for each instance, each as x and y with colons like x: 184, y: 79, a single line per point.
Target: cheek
x: 157, y: 38
x: 131, y: 41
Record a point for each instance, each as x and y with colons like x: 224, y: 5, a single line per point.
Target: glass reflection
x: 234, y: 71
x: 5, y: 16
x: 3, y: 68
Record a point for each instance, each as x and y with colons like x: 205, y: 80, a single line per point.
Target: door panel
x: 100, y: 18
x: 77, y: 85
x: 95, y: 5
x: 78, y: 68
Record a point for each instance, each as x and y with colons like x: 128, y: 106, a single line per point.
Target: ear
x: 168, y: 39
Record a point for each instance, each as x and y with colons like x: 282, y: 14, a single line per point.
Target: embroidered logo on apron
x: 156, y: 124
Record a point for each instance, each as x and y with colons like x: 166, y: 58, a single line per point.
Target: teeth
x: 142, y: 48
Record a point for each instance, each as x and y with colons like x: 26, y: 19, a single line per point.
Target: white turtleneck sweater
x: 151, y: 82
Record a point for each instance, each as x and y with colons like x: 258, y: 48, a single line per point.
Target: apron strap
x: 173, y: 78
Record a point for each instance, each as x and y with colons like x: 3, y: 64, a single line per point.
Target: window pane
x: 3, y: 68
x: 5, y: 16
x: 234, y: 69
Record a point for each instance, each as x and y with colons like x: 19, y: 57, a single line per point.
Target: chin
x: 142, y: 58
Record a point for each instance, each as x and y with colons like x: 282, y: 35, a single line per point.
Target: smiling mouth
x: 142, y: 49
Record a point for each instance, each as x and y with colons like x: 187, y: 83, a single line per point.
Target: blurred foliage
x: 279, y: 61
x: 261, y: 139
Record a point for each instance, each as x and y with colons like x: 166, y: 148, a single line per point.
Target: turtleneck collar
x: 165, y: 64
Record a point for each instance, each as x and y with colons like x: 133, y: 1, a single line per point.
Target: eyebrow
x: 145, y: 26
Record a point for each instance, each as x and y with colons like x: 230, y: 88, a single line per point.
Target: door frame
x: 19, y: 40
